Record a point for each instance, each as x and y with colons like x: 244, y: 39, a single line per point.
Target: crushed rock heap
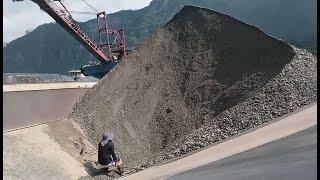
x: 203, y: 77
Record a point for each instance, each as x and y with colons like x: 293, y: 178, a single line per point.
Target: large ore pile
x: 201, y: 78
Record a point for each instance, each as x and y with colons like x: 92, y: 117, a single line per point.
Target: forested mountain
x: 50, y: 49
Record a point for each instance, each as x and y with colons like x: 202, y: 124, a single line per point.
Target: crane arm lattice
x: 63, y: 17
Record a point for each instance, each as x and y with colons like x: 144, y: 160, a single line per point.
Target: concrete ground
x: 291, y: 158
x: 31, y: 104
x: 33, y: 150
x: 47, y: 151
x: 293, y: 123
x: 36, y: 107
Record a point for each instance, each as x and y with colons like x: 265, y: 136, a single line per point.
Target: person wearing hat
x: 106, y: 154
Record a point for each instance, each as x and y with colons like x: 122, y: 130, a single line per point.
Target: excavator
x: 111, y: 48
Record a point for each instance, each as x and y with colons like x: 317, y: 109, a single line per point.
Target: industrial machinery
x: 111, y: 48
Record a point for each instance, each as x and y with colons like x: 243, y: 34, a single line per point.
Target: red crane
x: 111, y: 48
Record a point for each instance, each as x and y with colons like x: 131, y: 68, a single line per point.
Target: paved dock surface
x: 291, y: 158
x: 31, y: 104
x: 26, y: 108
x: 43, y: 152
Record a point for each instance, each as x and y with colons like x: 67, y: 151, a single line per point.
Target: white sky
x: 18, y: 17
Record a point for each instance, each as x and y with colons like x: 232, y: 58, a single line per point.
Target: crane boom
x: 64, y: 19
x: 112, y: 45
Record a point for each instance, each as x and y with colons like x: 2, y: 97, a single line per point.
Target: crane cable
x: 80, y: 12
x: 89, y: 5
x: 87, y: 12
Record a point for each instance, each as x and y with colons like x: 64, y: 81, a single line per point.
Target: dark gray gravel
x: 293, y: 88
x: 203, y: 77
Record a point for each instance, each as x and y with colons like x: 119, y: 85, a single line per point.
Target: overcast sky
x: 18, y: 17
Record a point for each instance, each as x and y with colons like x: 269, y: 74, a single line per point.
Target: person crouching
x: 106, y: 155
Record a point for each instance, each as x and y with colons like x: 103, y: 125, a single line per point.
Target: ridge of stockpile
x: 201, y: 78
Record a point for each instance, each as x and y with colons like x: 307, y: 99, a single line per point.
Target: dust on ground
x: 32, y: 153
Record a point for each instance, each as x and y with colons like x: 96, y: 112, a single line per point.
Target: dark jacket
x: 106, y: 154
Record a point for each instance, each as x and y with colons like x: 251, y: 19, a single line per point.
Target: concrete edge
x: 30, y: 126
x: 46, y: 86
x: 280, y: 128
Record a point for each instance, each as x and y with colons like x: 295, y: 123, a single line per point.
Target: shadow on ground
x: 93, y: 171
